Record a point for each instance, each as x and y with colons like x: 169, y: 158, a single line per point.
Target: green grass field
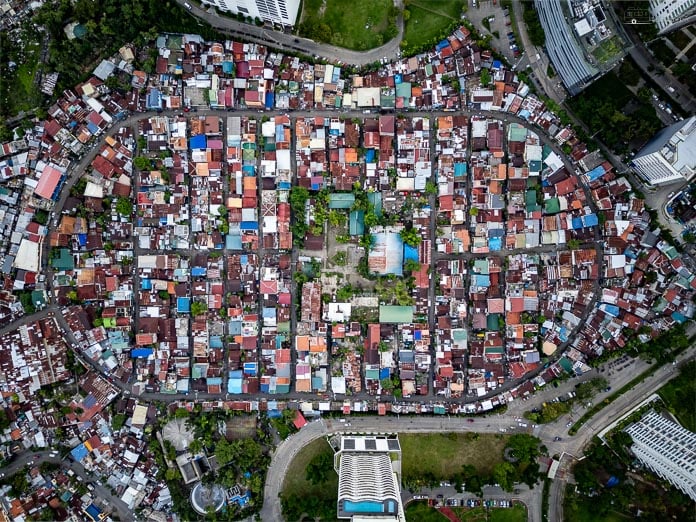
x: 421, y: 512
x: 514, y: 514
x: 295, y: 480
x: 581, y: 513
x: 679, y: 395
x: 358, y: 24
x: 477, y: 514
x: 444, y: 454
x: 428, y: 18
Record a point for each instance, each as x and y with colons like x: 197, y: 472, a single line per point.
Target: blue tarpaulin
x: 183, y: 305
x: 577, y: 223
x: 590, y: 220
x: 249, y: 225
x: 410, y: 252
x: 143, y: 353
x: 443, y: 44
x: 595, y: 173
x: 198, y: 271
x: 270, y: 98
x: 384, y: 373
x: 145, y: 284
x: 198, y: 142
x: 79, y: 452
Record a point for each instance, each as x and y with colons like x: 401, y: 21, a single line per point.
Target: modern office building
x: 283, y: 12
x: 563, y: 49
x: 670, y: 156
x: 666, y: 448
x: 672, y: 14
x: 369, y: 470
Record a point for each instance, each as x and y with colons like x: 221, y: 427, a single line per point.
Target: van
x: 187, y: 6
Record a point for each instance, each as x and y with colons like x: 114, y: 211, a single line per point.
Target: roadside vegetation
x: 655, y: 349
x: 359, y: 25
x: 679, y: 395
x: 534, y: 28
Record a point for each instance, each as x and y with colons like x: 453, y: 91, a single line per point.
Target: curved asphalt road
x: 292, y: 43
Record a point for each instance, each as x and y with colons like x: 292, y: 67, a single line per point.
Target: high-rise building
x: 369, y: 468
x: 666, y: 448
x: 670, y: 156
x: 283, y: 12
x: 671, y: 14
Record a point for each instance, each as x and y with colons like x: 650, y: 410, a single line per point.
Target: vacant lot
x: 18, y: 66
x: 679, y: 395
x: 358, y: 24
x: 444, y: 454
x: 428, y: 19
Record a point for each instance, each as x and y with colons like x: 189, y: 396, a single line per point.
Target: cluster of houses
x: 175, y: 251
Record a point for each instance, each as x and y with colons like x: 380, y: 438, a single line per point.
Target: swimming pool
x: 364, y: 506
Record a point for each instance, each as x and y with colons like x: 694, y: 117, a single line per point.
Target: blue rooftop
x: 198, y: 142
x: 183, y: 305
x: 79, y: 452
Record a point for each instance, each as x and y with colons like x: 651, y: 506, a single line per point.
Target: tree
x: 573, y: 244
x: 410, y: 236
x: 485, y: 77
x: 320, y: 468
x: 198, y: 308
x: 503, y: 473
x: 142, y: 163
x: 411, y: 265
x: 124, y: 206
x: 336, y: 218
x: 118, y: 421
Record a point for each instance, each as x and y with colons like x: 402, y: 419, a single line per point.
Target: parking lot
x: 499, y: 24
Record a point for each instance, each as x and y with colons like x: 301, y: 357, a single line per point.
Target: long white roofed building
x: 666, y: 448
x: 369, y: 470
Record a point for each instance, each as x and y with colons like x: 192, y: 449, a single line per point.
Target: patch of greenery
x: 19, y: 65
x: 429, y: 21
x: 679, y: 395
x: 534, y: 28
x: 621, y: 118
x: 517, y: 513
x: 300, y: 495
x: 420, y: 511
x: 358, y: 25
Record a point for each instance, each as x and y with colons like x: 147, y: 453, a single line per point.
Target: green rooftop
x: 341, y: 200
x: 64, y: 261
x: 552, y: 206
x: 395, y: 314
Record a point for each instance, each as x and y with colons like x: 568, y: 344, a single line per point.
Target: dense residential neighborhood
x: 246, y: 233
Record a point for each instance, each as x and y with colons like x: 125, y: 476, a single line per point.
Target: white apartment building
x: 368, y: 468
x: 283, y: 12
x: 670, y: 156
x: 671, y: 14
x: 666, y: 448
